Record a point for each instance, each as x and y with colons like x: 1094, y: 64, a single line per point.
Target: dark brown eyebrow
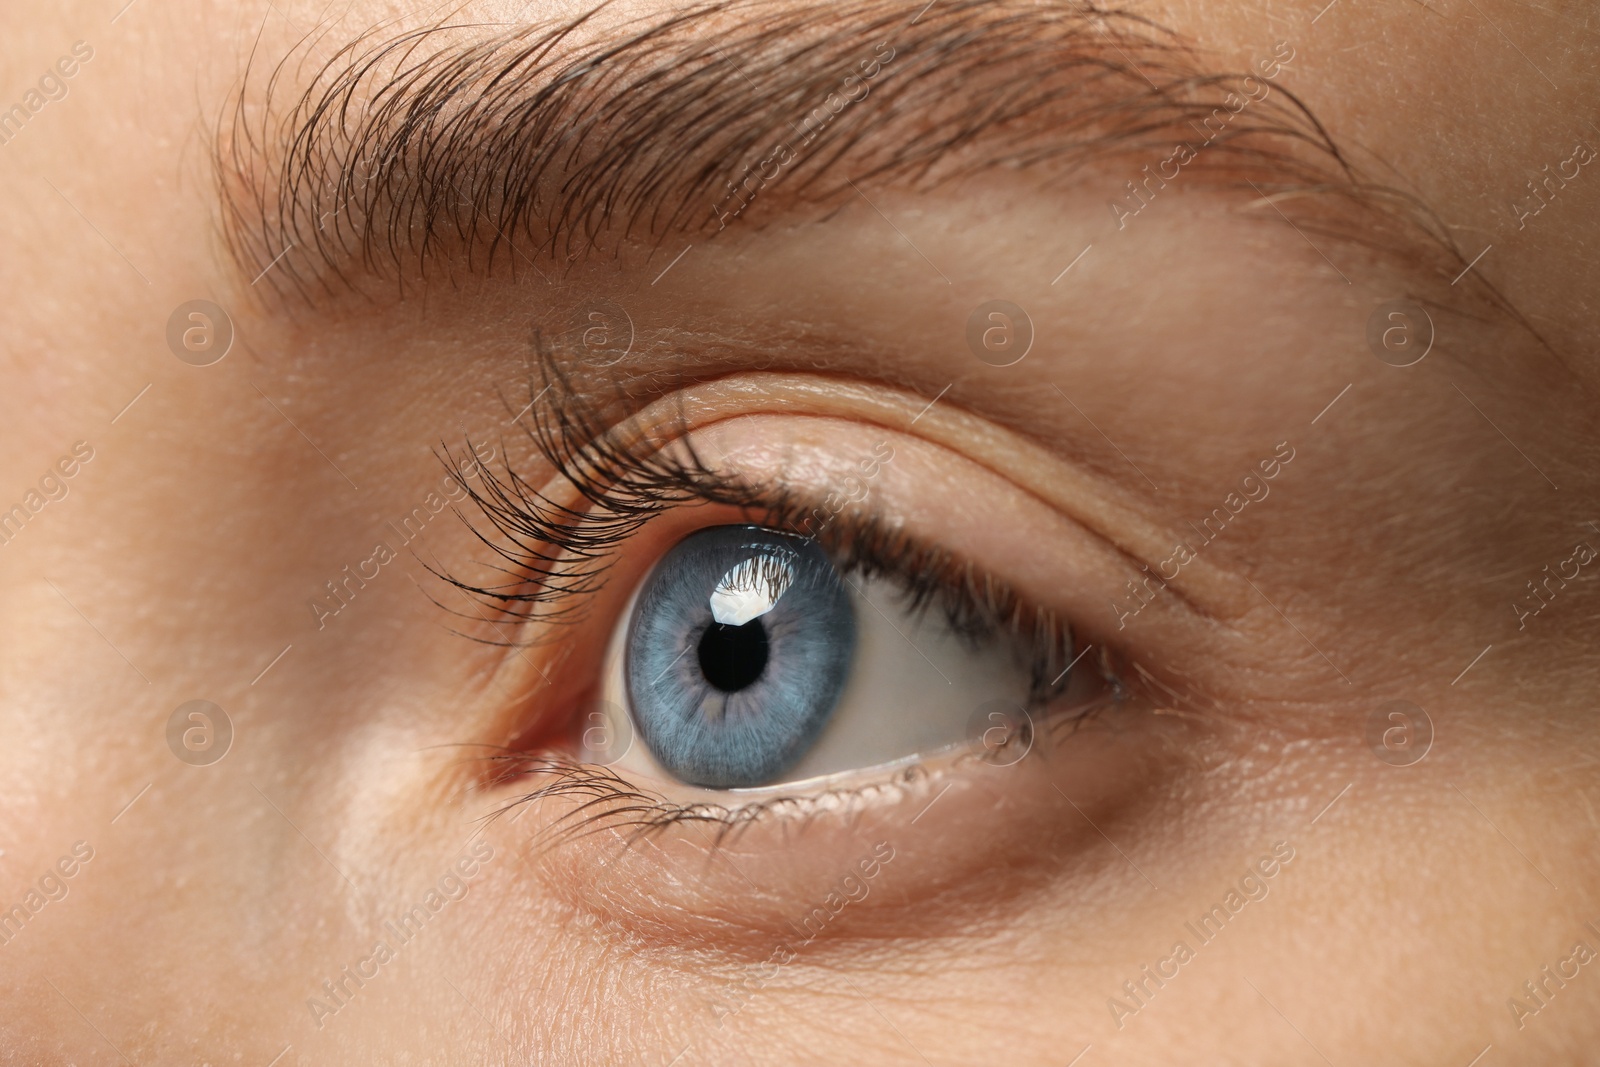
x: 491, y: 145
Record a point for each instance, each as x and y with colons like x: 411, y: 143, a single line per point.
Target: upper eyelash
x: 558, y: 553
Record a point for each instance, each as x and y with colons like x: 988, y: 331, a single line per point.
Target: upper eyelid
x: 1080, y: 497
x: 566, y: 423
x: 1117, y: 517
x: 539, y: 112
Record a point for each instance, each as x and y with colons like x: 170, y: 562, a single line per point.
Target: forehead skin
x: 219, y: 899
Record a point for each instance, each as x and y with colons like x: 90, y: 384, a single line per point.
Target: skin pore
x: 1374, y: 908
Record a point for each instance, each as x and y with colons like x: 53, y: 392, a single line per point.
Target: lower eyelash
x: 607, y: 802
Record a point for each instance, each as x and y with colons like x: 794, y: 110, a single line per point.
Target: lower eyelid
x: 750, y: 874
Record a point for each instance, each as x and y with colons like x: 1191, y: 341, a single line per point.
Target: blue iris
x: 739, y: 647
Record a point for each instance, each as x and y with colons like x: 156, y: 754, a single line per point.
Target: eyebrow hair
x: 456, y: 141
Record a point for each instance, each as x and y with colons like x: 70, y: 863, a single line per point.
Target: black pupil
x: 733, y: 657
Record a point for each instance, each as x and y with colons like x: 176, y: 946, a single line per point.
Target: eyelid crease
x: 562, y: 532
x: 558, y: 552
x: 1118, y: 516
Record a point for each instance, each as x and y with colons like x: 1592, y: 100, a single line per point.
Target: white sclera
x: 913, y: 685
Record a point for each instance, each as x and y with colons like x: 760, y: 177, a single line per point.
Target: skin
x: 1417, y: 900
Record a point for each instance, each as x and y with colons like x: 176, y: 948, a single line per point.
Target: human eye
x: 813, y: 638
x: 752, y: 657
x: 767, y: 627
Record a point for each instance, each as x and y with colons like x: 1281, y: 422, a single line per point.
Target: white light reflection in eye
x: 750, y: 590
